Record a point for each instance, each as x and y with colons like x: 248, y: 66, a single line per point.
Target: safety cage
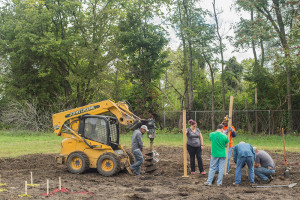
x: 103, y: 129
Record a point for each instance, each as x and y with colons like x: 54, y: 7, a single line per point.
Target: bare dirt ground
x: 164, y: 183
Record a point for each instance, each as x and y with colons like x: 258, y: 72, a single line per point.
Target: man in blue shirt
x: 243, y: 154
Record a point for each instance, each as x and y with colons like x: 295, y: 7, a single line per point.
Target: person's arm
x: 253, y: 152
x: 235, y: 152
x: 257, y: 162
x: 226, y: 141
x: 233, y: 133
x: 201, y: 140
x: 139, y: 140
x: 188, y: 132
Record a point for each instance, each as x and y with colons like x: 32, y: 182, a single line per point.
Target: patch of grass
x: 266, y: 142
x: 16, y: 143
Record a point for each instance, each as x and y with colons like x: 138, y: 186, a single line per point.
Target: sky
x: 227, y: 18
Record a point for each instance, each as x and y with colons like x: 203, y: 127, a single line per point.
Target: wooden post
x: 31, y: 178
x: 228, y: 132
x: 184, y: 144
x: 59, y: 182
x: 26, y: 188
x: 47, y: 187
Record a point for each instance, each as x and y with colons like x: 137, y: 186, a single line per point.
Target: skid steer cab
x: 98, y: 147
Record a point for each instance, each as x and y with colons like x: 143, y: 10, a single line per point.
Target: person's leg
x: 267, y: 172
x: 229, y: 156
x: 139, y: 161
x: 199, y: 159
x: 261, y: 173
x: 249, y: 162
x: 238, y: 170
x: 192, y: 152
x: 212, y: 169
x: 221, y: 170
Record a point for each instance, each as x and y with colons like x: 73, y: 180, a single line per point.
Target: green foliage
x: 58, y: 55
x: 142, y: 46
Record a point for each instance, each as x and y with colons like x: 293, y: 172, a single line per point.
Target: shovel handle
x: 268, y: 186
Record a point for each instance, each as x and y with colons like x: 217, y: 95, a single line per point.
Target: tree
x: 280, y: 15
x: 142, y: 45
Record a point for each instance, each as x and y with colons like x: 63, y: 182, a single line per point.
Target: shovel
x: 271, y: 186
x: 286, y: 171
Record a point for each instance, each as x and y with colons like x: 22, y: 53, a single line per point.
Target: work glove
x: 233, y: 133
x: 226, y: 131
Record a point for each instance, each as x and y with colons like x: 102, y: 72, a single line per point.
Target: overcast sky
x: 227, y: 18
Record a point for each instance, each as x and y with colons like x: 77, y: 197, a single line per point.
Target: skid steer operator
x: 137, y: 149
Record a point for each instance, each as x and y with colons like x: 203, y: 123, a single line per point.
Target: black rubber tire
x: 82, y: 159
x: 109, y: 158
x: 131, y: 157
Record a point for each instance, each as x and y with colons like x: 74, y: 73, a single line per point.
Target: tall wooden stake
x: 59, y: 182
x: 184, y: 144
x: 47, y: 187
x: 31, y: 178
x: 26, y: 188
x: 228, y: 132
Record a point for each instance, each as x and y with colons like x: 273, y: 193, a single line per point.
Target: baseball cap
x: 144, y: 127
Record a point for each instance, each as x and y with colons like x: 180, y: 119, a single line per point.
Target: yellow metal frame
x: 74, y: 142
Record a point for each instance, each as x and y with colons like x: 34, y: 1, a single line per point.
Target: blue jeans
x: 263, y: 173
x: 139, y: 161
x: 241, y: 162
x: 228, y: 162
x: 214, y: 164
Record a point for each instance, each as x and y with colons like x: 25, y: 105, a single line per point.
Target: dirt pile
x: 164, y: 183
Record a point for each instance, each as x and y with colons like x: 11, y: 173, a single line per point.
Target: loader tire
x: 131, y: 157
x: 78, y: 162
x: 108, y: 164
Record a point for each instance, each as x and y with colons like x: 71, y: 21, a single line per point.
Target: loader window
x: 95, y: 129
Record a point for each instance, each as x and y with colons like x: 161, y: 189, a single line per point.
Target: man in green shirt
x: 218, y: 155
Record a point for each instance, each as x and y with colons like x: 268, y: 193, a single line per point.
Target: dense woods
x: 60, y: 54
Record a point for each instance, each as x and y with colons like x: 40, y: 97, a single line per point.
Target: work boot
x: 271, y: 178
x: 207, y: 184
x: 129, y: 170
x: 266, y: 181
x: 236, y: 184
x: 252, y: 184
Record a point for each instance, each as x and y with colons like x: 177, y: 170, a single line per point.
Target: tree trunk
x: 191, y: 95
x: 249, y: 128
x: 185, y: 68
x: 212, y: 93
x: 221, y: 52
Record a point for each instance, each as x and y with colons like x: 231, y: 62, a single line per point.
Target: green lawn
x: 16, y: 143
